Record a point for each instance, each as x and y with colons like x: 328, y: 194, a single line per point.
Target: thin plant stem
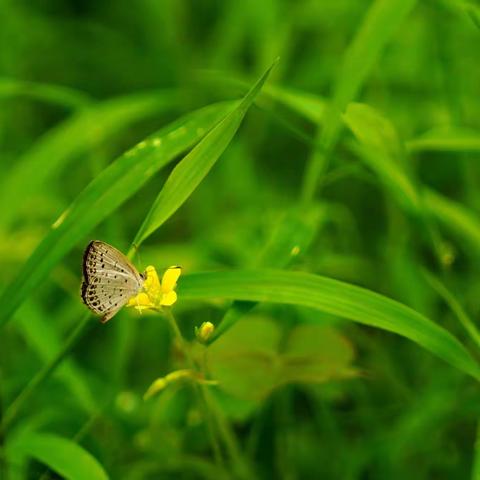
x: 476, y: 455
x: 228, y: 437
x: 198, y: 388
x: 212, y: 411
x: 39, y: 378
x: 455, y: 306
x: 316, y: 167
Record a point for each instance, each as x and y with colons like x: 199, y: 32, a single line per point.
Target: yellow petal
x: 152, y: 282
x: 140, y: 300
x: 168, y: 299
x: 170, y: 277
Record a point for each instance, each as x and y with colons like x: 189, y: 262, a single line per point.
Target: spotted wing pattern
x: 109, y: 279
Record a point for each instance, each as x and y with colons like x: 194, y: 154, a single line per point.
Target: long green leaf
x: 307, y: 104
x: 457, y: 218
x: 333, y: 297
x: 104, y: 194
x: 447, y: 140
x: 380, y: 148
x: 188, y: 174
x: 42, y: 336
x: 378, y: 151
x: 60, y: 454
x: 54, y: 94
x: 73, y: 137
x: 380, y: 23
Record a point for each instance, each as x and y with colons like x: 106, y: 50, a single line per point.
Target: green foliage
x: 311, y: 354
x: 334, y: 297
x: 60, y: 454
x: 326, y: 321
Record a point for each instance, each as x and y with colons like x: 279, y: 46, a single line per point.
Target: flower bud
x: 204, y: 332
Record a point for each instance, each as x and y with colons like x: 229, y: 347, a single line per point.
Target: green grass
x: 324, y: 208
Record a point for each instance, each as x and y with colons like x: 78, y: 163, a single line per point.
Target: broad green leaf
x: 315, y: 354
x: 253, y: 357
x: 245, y: 360
x: 333, y: 297
x: 77, y: 135
x: 188, y: 174
x: 60, y: 454
x: 447, y: 140
x: 104, y: 194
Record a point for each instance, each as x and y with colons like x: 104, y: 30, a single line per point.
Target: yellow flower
x: 156, y: 294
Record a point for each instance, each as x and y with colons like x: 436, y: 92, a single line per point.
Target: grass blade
x: 380, y: 23
x: 333, y: 297
x: 43, y: 338
x: 447, y: 140
x: 54, y: 94
x: 455, y: 306
x: 104, y: 194
x: 460, y: 221
x: 60, y: 454
x: 380, y: 148
x: 188, y: 174
x: 73, y: 137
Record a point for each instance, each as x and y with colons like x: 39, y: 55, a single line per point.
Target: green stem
x: 42, y: 375
x: 316, y: 167
x: 455, y: 306
x: 213, y: 414
x: 198, y: 388
x: 476, y: 455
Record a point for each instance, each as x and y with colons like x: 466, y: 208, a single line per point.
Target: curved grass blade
x: 62, y: 455
x: 447, y: 140
x: 380, y: 23
x: 75, y: 136
x: 380, y: 148
x: 188, y: 174
x: 293, y: 235
x: 104, y: 194
x: 454, y: 305
x: 308, y: 105
x: 459, y: 220
x: 43, y: 338
x: 333, y: 297
x: 54, y: 94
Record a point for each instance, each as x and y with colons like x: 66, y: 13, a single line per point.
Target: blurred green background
x: 357, y: 161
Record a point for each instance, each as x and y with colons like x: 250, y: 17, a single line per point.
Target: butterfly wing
x: 110, y: 279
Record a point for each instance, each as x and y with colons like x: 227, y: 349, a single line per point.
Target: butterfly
x: 110, y: 280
